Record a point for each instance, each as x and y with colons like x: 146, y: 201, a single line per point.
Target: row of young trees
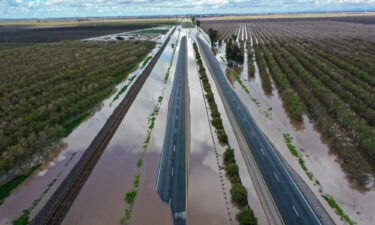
x: 216, y: 121
x: 336, y: 111
x: 46, y: 88
x: 238, y: 192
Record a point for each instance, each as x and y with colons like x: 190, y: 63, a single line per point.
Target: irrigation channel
x: 57, y: 206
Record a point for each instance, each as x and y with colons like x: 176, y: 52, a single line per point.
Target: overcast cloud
x: 78, y: 8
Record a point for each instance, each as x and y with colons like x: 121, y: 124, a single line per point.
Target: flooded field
x: 208, y: 195
x: 253, y: 199
x: 322, y: 162
x: 50, y: 175
x: 118, y: 165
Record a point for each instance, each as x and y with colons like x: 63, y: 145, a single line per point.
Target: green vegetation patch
x: 24, y: 218
x: 338, y: 210
x: 6, y: 188
x: 215, y: 114
x: 147, y: 60
x: 237, y: 76
x: 75, y: 123
x: 330, y: 200
x: 49, y: 89
x: 151, y: 31
x: 246, y: 217
x: 130, y: 196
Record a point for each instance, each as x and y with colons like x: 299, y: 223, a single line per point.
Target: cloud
x: 61, y: 8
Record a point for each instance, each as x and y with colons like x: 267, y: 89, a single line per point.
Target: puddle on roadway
x: 77, y: 141
x: 206, y: 202
x: 101, y: 199
x: 319, y: 159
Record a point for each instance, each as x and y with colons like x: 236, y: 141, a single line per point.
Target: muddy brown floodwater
x: 358, y: 205
x: 208, y: 195
x: 253, y: 199
x: 65, y: 158
x: 101, y: 200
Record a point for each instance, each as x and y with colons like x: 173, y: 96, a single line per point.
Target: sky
x: 86, y: 8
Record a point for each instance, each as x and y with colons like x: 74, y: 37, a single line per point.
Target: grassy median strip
x: 238, y: 192
x: 328, y: 198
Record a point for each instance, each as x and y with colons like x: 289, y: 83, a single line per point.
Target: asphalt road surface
x: 289, y: 200
x: 171, y: 183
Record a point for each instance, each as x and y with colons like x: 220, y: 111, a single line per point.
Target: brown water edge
x: 76, y: 142
x: 253, y: 199
x: 206, y: 198
x: 117, y: 166
x: 319, y: 159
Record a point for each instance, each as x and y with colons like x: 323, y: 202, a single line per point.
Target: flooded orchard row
x: 355, y: 202
x: 253, y: 199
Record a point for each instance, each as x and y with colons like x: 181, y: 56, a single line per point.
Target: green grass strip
x: 237, y: 76
x: 6, y: 188
x: 75, y: 123
x: 338, y: 210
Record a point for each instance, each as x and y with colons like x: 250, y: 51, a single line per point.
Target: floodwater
x: 253, y: 199
x: 114, y: 174
x: 208, y: 188
x: 358, y: 204
x: 66, y: 155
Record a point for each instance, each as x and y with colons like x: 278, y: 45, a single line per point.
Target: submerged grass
x: 235, y: 74
x: 338, y: 210
x: 75, y: 123
x: 130, y: 196
x: 171, y: 60
x: 123, y: 89
x: 24, y: 218
x: 328, y: 198
x: 6, y: 188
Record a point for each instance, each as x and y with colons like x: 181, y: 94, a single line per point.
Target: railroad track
x: 58, y: 205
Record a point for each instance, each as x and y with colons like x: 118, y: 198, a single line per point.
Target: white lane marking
x: 261, y: 149
x: 295, y: 211
x: 276, y: 177
x: 172, y: 171
x: 252, y: 133
x: 174, y: 148
x: 290, y: 177
x: 175, y: 130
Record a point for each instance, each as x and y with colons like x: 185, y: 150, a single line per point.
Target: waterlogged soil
x: 357, y: 203
x: 64, y: 158
x: 208, y: 195
x: 101, y: 200
x: 253, y: 199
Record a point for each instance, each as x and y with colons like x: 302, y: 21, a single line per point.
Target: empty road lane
x: 171, y: 183
x: 286, y: 195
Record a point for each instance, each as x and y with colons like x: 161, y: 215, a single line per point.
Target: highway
x: 171, y: 183
x: 290, y: 204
